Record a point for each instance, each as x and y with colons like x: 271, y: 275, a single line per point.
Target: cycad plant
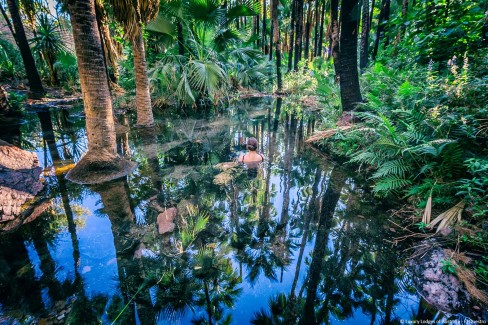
x: 213, y: 49
x: 49, y: 44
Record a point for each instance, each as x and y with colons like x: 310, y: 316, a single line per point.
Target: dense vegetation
x: 406, y: 81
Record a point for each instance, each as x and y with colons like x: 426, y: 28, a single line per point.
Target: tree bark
x: 321, y: 33
x: 381, y: 29
x: 292, y: 35
x: 334, y: 42
x: 349, y: 78
x: 264, y: 27
x: 93, y: 78
x: 298, y: 34
x: 363, y: 57
x: 277, y: 41
x: 403, y: 27
x: 143, y: 97
x: 308, y: 26
x: 181, y: 48
x: 101, y: 162
x: 316, y: 27
x: 35, y: 84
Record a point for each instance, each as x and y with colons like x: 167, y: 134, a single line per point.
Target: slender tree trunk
x: 371, y: 14
x: 381, y: 29
x: 363, y: 57
x: 277, y: 42
x: 258, y: 41
x: 308, y: 26
x: 292, y: 34
x: 7, y: 21
x: 386, y: 24
x: 321, y: 33
x: 35, y: 84
x: 334, y: 42
x: 264, y: 44
x: 316, y: 28
x: 403, y: 27
x: 271, y: 39
x: 143, y: 97
x: 298, y: 34
x: 349, y: 78
x: 179, y: 29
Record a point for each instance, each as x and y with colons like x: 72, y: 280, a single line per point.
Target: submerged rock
x: 165, y: 221
x: 442, y: 290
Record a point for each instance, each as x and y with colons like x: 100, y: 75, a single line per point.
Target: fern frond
x: 398, y: 167
x: 390, y: 184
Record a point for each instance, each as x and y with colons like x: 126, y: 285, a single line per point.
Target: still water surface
x: 296, y: 237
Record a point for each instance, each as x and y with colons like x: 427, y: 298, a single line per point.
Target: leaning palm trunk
x: 101, y: 163
x: 143, y: 97
x: 35, y: 84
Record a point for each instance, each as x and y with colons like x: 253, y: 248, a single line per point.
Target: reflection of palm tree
x: 308, y: 216
x: 18, y: 285
x: 116, y: 205
x: 329, y: 202
x: 219, y: 284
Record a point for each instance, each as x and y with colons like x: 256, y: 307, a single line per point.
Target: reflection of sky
x: 98, y: 264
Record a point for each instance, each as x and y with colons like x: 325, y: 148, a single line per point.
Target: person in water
x: 252, y: 156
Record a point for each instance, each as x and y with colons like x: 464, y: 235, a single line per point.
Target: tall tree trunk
x: 381, y: 29
x: 321, y: 32
x: 316, y: 28
x: 277, y: 41
x: 264, y: 44
x: 271, y: 35
x: 403, y: 26
x: 292, y: 34
x: 363, y: 56
x: 181, y: 41
x: 35, y: 84
x: 334, y: 42
x: 349, y: 78
x: 96, y: 97
x: 308, y: 26
x: 298, y: 34
x: 143, y: 96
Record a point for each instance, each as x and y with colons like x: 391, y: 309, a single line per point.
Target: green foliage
x: 448, y: 266
x: 11, y: 65
x: 66, y: 66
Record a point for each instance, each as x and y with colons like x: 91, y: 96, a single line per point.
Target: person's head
x: 252, y: 144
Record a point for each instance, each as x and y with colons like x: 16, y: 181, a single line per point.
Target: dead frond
x: 428, y: 211
x: 448, y: 218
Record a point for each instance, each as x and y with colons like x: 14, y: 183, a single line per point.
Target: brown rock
x: 165, y: 221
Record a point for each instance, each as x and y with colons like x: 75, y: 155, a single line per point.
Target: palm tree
x: 348, y: 40
x: 101, y: 163
x: 48, y: 42
x: 35, y: 84
x: 132, y: 15
x: 276, y: 41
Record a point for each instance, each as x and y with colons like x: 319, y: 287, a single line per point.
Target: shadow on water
x: 296, y: 240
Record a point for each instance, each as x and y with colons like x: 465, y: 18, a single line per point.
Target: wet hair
x: 252, y: 144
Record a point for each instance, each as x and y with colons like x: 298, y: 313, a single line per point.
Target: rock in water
x: 165, y: 221
x: 440, y: 289
x: 19, y: 180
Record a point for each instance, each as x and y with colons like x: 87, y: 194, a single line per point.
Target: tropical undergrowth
x: 423, y: 137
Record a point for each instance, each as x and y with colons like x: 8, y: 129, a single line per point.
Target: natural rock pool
x: 187, y: 239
